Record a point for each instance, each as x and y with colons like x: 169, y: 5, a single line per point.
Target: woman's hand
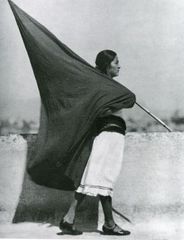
x: 106, y: 113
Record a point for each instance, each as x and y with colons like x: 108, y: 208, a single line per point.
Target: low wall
x: 12, y: 164
x: 151, y: 182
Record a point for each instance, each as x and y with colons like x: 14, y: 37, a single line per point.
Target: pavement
x: 155, y: 229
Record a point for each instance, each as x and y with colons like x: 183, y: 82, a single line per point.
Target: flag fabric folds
x: 74, y: 95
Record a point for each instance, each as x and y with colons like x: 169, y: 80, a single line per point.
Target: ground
x: 155, y: 229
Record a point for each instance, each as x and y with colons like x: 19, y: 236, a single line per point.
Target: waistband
x: 111, y: 123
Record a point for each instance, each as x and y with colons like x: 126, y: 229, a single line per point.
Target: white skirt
x: 104, y: 165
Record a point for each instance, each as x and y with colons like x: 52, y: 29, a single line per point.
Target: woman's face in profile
x: 114, y: 67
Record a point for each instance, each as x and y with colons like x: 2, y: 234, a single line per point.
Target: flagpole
x: 153, y: 116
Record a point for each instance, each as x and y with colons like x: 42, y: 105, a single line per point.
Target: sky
x: 147, y: 35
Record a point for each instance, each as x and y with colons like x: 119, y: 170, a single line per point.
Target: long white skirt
x: 104, y: 165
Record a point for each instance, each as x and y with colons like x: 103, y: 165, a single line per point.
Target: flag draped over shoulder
x: 74, y: 94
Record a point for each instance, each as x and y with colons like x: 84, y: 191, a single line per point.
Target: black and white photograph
x: 92, y: 119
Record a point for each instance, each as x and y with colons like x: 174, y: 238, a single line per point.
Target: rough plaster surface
x: 12, y: 164
x: 149, y: 191
x: 153, y: 170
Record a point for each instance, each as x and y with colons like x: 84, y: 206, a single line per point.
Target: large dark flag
x: 74, y: 95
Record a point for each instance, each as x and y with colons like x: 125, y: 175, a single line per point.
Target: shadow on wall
x: 46, y: 205
x: 42, y: 204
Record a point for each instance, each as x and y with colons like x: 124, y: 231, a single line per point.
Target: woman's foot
x: 68, y: 228
x: 115, y: 230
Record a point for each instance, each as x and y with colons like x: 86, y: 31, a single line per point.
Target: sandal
x: 68, y: 228
x: 116, y: 230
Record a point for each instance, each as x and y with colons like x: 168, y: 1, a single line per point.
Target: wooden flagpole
x: 156, y: 118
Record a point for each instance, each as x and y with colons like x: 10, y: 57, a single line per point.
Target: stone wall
x: 151, y: 182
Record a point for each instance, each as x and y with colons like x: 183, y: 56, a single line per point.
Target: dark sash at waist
x: 111, y: 123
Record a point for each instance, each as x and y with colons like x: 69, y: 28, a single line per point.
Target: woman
x: 104, y: 163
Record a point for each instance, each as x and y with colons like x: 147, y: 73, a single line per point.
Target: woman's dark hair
x: 103, y: 59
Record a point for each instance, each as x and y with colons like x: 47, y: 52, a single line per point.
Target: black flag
x: 74, y: 95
